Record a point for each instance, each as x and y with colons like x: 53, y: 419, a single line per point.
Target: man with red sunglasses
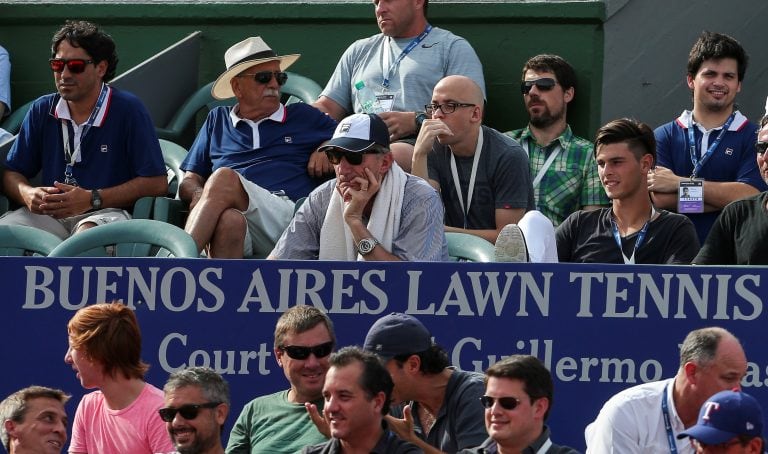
x: 251, y: 162
x: 94, y: 146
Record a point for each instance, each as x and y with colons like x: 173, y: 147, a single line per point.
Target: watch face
x: 366, y: 246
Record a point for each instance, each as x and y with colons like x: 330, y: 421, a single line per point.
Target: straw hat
x: 243, y: 55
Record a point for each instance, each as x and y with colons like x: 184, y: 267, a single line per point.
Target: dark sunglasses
x: 507, y: 403
x: 263, y: 77
x: 760, y: 147
x: 75, y: 65
x: 543, y: 84
x: 188, y: 412
x: 297, y: 352
x: 354, y: 158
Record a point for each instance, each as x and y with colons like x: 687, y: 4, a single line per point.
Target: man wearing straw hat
x: 250, y: 162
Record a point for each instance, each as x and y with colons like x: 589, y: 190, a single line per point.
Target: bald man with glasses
x: 372, y: 210
x: 481, y: 174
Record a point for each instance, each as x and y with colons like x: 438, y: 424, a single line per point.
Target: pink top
x: 136, y: 429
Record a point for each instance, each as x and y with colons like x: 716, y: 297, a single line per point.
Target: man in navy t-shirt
x: 251, y: 162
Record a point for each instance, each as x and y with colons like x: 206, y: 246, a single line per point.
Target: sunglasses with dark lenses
x: 75, y: 65
x: 760, y: 147
x: 543, y: 84
x: 297, y: 352
x: 263, y: 77
x: 507, y: 403
x: 354, y: 158
x: 188, y: 412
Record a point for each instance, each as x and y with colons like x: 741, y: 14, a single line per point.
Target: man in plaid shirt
x: 562, y: 165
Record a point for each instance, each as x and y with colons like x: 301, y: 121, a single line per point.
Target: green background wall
x: 504, y: 35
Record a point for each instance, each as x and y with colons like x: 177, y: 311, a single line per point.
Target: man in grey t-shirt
x: 482, y: 175
x: 402, y: 85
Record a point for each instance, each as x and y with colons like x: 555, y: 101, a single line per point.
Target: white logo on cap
x: 750, y: 426
x: 710, y: 407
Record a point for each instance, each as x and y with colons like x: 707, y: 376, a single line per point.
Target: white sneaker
x: 510, y: 245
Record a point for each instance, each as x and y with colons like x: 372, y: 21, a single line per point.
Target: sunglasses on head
x: 543, y: 84
x: 507, y: 403
x: 297, y: 352
x: 354, y: 158
x: 188, y: 412
x: 760, y: 147
x: 263, y: 77
x: 75, y: 65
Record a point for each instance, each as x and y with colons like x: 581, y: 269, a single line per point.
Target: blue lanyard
x: 638, y: 241
x: 667, y: 422
x: 412, y: 45
x: 70, y: 157
x: 699, y: 163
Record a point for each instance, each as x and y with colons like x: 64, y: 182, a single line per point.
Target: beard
x: 546, y: 118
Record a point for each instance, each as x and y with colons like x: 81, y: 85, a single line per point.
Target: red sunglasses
x: 75, y: 65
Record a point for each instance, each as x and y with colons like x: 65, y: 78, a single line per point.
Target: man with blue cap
x: 435, y: 406
x: 729, y: 422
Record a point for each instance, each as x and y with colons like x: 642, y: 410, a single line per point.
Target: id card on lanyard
x: 72, y: 157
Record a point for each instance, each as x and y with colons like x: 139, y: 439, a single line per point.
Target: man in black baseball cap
x: 439, y: 405
x: 373, y: 210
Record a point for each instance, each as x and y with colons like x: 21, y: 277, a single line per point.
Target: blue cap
x: 397, y: 334
x: 726, y: 415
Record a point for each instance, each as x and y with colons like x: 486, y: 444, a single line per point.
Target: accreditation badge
x: 690, y: 196
x: 386, y: 101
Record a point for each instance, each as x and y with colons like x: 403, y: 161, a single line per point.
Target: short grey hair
x: 700, y: 346
x: 213, y: 385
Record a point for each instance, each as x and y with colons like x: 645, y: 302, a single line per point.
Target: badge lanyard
x: 638, y: 241
x: 385, y: 57
x: 668, y: 423
x: 473, y: 174
x: 699, y: 163
x: 72, y: 157
x: 547, y: 444
x: 547, y: 163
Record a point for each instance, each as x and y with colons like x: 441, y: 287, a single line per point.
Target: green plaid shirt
x: 571, y: 182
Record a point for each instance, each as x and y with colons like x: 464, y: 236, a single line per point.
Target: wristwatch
x: 420, y: 117
x: 95, y: 199
x: 366, y: 245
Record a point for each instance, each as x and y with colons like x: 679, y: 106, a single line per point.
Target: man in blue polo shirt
x: 709, y: 150
x: 251, y: 162
x: 95, y: 146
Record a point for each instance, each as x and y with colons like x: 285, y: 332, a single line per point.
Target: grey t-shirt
x: 440, y: 54
x: 502, y: 180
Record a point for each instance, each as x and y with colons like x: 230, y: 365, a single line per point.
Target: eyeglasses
x: 543, y: 84
x: 354, y: 158
x: 297, y: 352
x: 75, y: 65
x: 263, y: 77
x: 446, y: 108
x: 760, y: 147
x: 188, y: 412
x: 507, y: 403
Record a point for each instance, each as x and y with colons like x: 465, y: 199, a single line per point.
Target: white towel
x: 336, y: 242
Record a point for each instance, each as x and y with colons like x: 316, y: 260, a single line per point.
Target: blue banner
x: 599, y: 329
